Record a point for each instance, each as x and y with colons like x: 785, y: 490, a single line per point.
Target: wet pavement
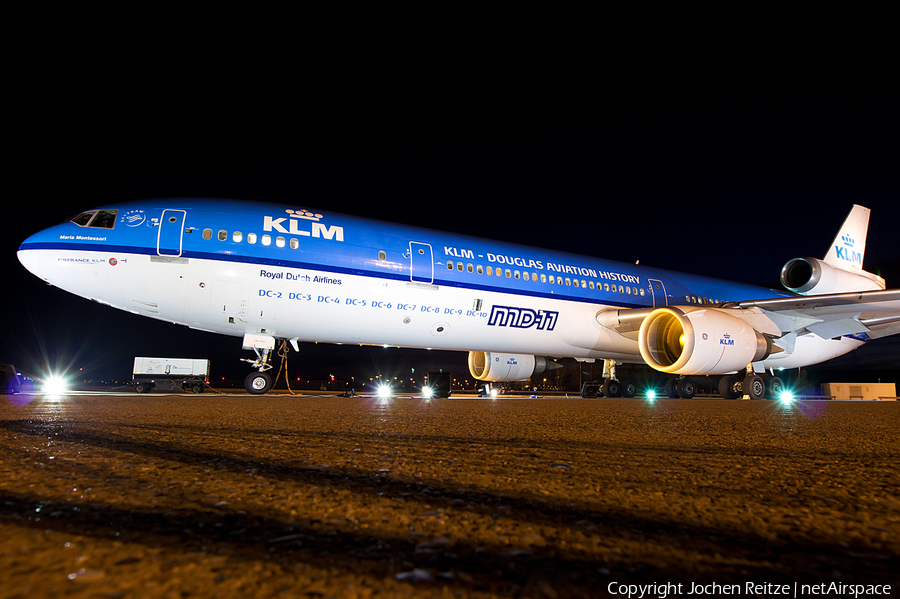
x: 279, y: 496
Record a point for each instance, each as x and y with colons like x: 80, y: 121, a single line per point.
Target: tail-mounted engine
x: 809, y: 276
x: 493, y: 366
x: 704, y: 341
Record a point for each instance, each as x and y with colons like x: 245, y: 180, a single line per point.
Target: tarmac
x: 126, y: 495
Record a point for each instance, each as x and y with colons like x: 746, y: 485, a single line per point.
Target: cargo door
x: 171, y: 233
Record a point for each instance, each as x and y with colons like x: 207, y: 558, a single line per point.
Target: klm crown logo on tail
x: 849, y: 247
x: 847, y: 253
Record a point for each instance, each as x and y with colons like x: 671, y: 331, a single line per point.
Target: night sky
x: 726, y: 181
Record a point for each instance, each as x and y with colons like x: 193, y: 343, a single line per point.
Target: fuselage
x: 234, y: 267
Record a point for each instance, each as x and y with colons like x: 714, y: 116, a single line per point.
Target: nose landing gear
x: 259, y: 382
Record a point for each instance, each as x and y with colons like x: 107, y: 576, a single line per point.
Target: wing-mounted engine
x: 494, y: 366
x: 809, y: 276
x: 690, y: 341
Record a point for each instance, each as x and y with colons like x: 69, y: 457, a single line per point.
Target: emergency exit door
x: 171, y: 233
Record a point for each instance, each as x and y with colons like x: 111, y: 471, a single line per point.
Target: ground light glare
x: 55, y: 386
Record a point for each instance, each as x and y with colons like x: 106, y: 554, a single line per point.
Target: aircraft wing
x: 875, y: 313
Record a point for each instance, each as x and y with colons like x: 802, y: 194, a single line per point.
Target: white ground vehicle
x: 170, y: 374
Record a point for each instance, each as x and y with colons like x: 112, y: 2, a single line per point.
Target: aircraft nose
x: 29, y: 257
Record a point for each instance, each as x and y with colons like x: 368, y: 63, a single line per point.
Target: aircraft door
x: 658, y: 291
x: 171, y: 232
x: 421, y: 262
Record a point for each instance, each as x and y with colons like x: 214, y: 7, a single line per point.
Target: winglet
x: 849, y: 247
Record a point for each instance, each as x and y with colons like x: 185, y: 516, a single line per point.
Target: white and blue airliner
x: 267, y: 272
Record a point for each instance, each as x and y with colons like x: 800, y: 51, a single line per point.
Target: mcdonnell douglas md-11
x: 266, y: 272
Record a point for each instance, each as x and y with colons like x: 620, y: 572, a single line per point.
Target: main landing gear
x: 612, y: 386
x: 754, y: 386
x: 681, y: 387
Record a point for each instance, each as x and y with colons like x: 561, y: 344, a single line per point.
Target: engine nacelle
x: 494, y: 366
x: 700, y: 341
x: 809, y: 276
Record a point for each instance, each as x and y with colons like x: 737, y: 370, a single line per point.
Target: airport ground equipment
x: 170, y: 374
x: 863, y: 391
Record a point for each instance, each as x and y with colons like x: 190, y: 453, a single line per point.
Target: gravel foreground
x: 317, y: 497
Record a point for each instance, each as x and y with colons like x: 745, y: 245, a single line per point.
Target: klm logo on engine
x: 726, y: 340
x: 847, y: 253
x: 522, y: 318
x: 304, y: 223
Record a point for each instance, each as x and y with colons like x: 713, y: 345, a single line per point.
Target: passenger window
x: 251, y: 238
x: 628, y: 290
x: 279, y: 241
x: 267, y: 239
x: 207, y: 233
x: 559, y: 280
x: 459, y: 266
x: 508, y: 274
x: 583, y: 284
x: 517, y: 275
x: 642, y: 293
x: 295, y: 244
x: 480, y: 269
x: 470, y: 268
x: 621, y: 290
x: 543, y: 278
x: 534, y: 277
x: 223, y: 235
x: 449, y: 265
x: 382, y: 255
x: 568, y: 282
x: 490, y: 271
x: 591, y: 284
x: 237, y: 237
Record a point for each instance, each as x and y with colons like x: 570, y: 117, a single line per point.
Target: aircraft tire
x: 628, y: 389
x: 728, y: 387
x: 774, y: 388
x: 754, y: 387
x: 686, y: 388
x: 671, y: 389
x: 611, y: 388
x: 257, y: 383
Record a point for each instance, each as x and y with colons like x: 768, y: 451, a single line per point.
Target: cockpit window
x: 105, y: 219
x: 96, y: 219
x: 83, y: 219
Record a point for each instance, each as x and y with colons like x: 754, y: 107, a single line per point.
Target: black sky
x: 729, y: 181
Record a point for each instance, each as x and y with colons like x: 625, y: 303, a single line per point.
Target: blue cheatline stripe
x: 319, y: 267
